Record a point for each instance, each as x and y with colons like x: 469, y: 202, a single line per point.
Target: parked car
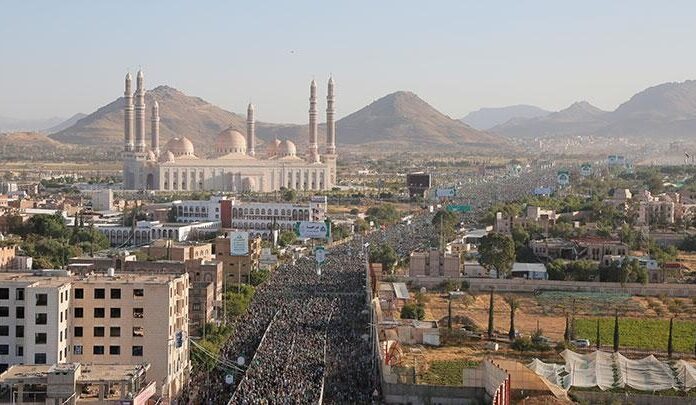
x: 581, y: 343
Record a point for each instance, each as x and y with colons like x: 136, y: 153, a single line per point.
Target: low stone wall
x: 531, y: 286
x: 432, y: 394
x: 635, y: 399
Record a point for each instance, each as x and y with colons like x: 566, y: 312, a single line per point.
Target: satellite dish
x: 229, y: 379
x: 241, y: 360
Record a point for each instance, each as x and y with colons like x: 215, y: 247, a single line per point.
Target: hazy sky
x: 63, y: 57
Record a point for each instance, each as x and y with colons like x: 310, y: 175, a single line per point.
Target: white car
x: 581, y: 343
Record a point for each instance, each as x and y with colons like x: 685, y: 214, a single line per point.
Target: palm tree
x: 514, y: 304
x: 490, y: 317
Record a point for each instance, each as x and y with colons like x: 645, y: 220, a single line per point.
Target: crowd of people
x: 306, y: 333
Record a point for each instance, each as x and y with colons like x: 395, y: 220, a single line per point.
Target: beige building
x: 434, y: 264
x: 131, y: 319
x: 237, y: 268
x: 34, y: 318
x: 7, y: 255
x: 165, y: 249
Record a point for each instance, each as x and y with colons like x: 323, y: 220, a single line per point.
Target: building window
x: 77, y: 332
x: 79, y: 312
x: 4, y: 293
x: 40, y: 338
x: 115, y: 331
x: 20, y: 351
x: 98, y: 350
x: 99, y: 293
x: 77, y: 349
x: 137, y: 351
x: 138, y: 312
x: 19, y: 331
x: 98, y: 331
x: 39, y: 358
x: 115, y: 312
x: 138, y: 292
x: 4, y: 350
x: 41, y: 319
x: 115, y: 293
x: 19, y: 294
x: 79, y: 293
x: 41, y: 300
x: 138, y: 331
x: 114, y: 350
x: 4, y: 330
x: 4, y: 312
x: 99, y: 312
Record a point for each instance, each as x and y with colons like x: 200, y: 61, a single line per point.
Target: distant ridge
x: 489, y: 117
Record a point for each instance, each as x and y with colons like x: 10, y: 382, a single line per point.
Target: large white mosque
x: 236, y: 165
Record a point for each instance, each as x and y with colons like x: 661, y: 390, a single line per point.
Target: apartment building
x: 237, y: 268
x: 169, y: 250
x: 434, y: 264
x: 131, y: 319
x: 34, y: 318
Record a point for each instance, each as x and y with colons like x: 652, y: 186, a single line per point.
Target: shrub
x: 522, y: 344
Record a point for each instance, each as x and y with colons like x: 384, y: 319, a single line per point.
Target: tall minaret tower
x: 313, y: 147
x: 330, y: 123
x: 128, y: 116
x: 251, y: 131
x: 140, y: 114
x: 155, y: 129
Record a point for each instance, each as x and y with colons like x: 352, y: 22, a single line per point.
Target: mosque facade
x: 236, y: 165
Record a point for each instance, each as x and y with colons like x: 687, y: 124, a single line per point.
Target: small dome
x: 166, y: 157
x: 287, y: 148
x: 248, y: 184
x: 273, y: 147
x: 230, y: 141
x: 180, y: 147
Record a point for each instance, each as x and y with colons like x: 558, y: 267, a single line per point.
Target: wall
x: 635, y: 399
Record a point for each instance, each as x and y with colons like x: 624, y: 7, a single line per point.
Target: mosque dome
x: 180, y: 147
x: 230, y: 141
x: 272, y: 148
x: 166, y: 157
x: 287, y: 148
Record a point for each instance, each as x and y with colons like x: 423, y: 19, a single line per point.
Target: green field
x: 639, y: 333
x: 446, y: 372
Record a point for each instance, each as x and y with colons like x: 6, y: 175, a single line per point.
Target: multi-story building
x: 146, y: 231
x: 259, y: 219
x: 102, y: 200
x: 131, y: 319
x: 434, y: 264
x: 534, y: 215
x: 237, y: 268
x: 198, y: 210
x: 165, y: 249
x: 7, y: 256
x: 34, y: 318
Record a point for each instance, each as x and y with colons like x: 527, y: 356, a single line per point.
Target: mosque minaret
x: 128, y: 115
x: 235, y: 164
x: 251, y: 131
x: 313, y: 147
x: 330, y: 123
x: 154, y: 130
x: 140, y: 113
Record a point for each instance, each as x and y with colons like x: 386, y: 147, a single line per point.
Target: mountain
x: 402, y: 118
x: 180, y: 115
x: 487, y: 118
x: 399, y: 118
x: 667, y: 110
x: 8, y: 124
x: 581, y: 118
x: 65, y: 124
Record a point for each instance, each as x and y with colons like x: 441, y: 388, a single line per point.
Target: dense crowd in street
x: 305, y: 336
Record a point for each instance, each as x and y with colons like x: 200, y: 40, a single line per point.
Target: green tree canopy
x: 497, y: 252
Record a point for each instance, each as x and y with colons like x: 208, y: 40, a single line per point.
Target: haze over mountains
x: 399, y: 118
x: 666, y: 110
x: 488, y: 117
x: 8, y: 124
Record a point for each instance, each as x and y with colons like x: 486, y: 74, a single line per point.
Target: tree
x: 497, y: 252
x: 582, y: 270
x: 670, y: 346
x: 286, y: 238
x: 566, y: 333
x: 598, y: 344
x: 289, y: 195
x: 258, y: 276
x: 616, y: 332
x: 385, y: 255
x: 449, y: 313
x: 412, y: 310
x: 556, y: 270
x: 490, y: 317
x: 383, y: 214
x: 514, y: 304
